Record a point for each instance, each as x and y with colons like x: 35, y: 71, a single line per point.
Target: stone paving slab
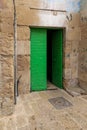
x: 34, y: 112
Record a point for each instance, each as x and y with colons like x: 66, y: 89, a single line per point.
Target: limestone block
x: 7, y: 21
x: 83, y: 84
x: 83, y: 21
x: 6, y: 4
x: 40, y: 17
x: 75, y: 20
x: 67, y: 45
x: 9, y: 4
x: 57, y: 5
x: 75, y: 45
x: 30, y: 3
x: 7, y: 67
x: 24, y: 72
x: 23, y: 33
x: 84, y: 32
x: 73, y: 82
x: 24, y: 82
x: 23, y: 62
x: 6, y: 44
x: 67, y: 63
x: 82, y: 59
x: 42, y: 4
x: 23, y: 17
x: 7, y: 13
x: 83, y: 76
x: 66, y: 83
x: 2, y: 4
x: 8, y: 88
x: 83, y: 52
x: 67, y: 73
x: 70, y: 82
x: 83, y: 43
x: 67, y: 52
x: 7, y: 106
x: 73, y: 34
x: 75, y: 72
x: 23, y: 47
x: 74, y: 66
x: 7, y: 26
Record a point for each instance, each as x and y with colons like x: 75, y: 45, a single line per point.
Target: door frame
x: 63, y: 46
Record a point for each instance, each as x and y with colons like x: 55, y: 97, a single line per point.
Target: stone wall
x: 6, y: 57
x: 38, y: 13
x: 83, y: 47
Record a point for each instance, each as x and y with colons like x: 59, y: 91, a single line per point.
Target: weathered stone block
x: 7, y: 106
x: 67, y: 73
x: 8, y: 88
x: 70, y: 82
x: 73, y: 34
x: 68, y: 45
x: 24, y: 82
x: 23, y: 33
x: 2, y: 4
x: 7, y: 67
x: 83, y: 84
x: 6, y: 44
x: 40, y: 17
x: 23, y: 63
x: 23, y: 17
x: 41, y: 4
x: 7, y: 20
x: 82, y: 75
x: 84, y: 32
x: 75, y: 20
x: 74, y: 66
x: 67, y: 63
x: 23, y: 47
x: 24, y: 73
x: 75, y: 46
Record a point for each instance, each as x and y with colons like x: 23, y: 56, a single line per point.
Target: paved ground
x: 35, y: 112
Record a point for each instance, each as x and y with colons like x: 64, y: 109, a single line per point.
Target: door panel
x: 38, y: 59
x: 57, y: 70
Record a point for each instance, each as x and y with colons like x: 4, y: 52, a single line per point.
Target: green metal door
x: 38, y: 59
x: 57, y: 70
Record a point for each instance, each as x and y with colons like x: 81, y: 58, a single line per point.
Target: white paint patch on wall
x: 56, y: 4
x: 52, y: 19
x: 68, y: 5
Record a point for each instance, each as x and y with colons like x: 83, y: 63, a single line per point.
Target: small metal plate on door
x: 60, y: 102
